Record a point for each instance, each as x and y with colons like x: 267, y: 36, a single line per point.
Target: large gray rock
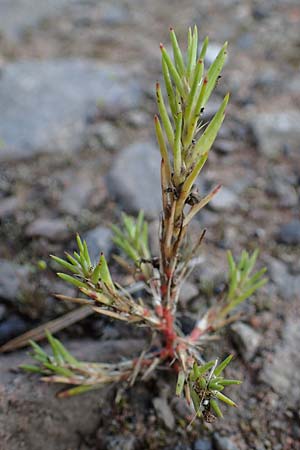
x: 276, y: 131
x: 31, y: 417
x: 134, y: 179
x: 18, y: 15
x: 283, y: 373
x: 45, y: 104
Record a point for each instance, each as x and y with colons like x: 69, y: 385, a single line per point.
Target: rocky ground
x: 77, y: 147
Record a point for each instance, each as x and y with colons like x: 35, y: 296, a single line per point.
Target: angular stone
x: 49, y: 102
x: 12, y: 278
x: 246, y: 339
x: 31, y: 417
x: 276, y: 132
x: 224, y: 200
x: 290, y: 233
x: 99, y: 240
x: 134, y: 179
x: 52, y: 229
x: 282, y: 373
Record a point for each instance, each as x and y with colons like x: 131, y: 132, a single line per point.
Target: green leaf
x: 225, y: 399
x: 169, y: 87
x: 180, y: 382
x: 65, y: 264
x: 214, y: 71
x: 177, y: 53
x: 164, y: 115
x: 219, y: 369
x: 214, y: 405
x: 173, y: 71
x: 71, y: 280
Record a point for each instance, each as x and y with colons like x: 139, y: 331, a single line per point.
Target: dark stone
x: 202, y: 444
x: 12, y: 327
x: 246, y: 339
x: 290, y: 233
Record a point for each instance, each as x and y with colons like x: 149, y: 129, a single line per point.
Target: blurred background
x: 77, y: 147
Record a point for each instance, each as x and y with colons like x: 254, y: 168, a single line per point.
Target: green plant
x: 184, y: 142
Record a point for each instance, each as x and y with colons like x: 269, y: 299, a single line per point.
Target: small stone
x: 290, y: 233
x: 12, y: 327
x: 12, y: 277
x: 137, y: 119
x: 76, y: 193
x: 107, y: 134
x: 282, y: 372
x: 52, y: 229
x: 117, y: 442
x: 224, y: 200
x: 224, y: 443
x: 224, y: 147
x: 288, y: 285
x: 134, y: 179
x: 277, y: 132
x: 164, y: 411
x: 202, y: 444
x: 99, y: 240
x: 8, y: 206
x: 188, y: 291
x: 246, y: 339
x: 3, y: 312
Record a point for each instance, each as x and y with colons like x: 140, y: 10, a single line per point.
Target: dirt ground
x: 256, y: 159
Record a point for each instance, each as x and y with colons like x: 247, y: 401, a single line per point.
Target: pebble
x: 224, y: 200
x: 51, y: 100
x: 282, y: 371
x: 12, y: 277
x: 99, y: 240
x: 289, y: 233
x: 224, y: 443
x: 106, y: 134
x: 246, y: 339
x: 276, y: 132
x: 202, y: 444
x: 164, y: 411
x: 134, y: 180
x: 52, y: 229
x: 11, y: 327
x: 76, y: 194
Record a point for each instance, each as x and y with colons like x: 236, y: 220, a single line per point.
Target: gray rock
x: 224, y: 443
x: 288, y: 284
x: 202, y: 444
x: 188, y: 291
x: 224, y: 200
x: 49, y: 102
x: 12, y: 278
x: 286, y: 193
x: 164, y: 411
x: 11, y: 327
x: 134, y: 179
x: 3, y: 312
x: 76, y: 194
x: 18, y: 15
x: 290, y: 233
x: 246, y: 339
x: 282, y: 373
x: 31, y: 417
x: 117, y: 442
x: 8, y: 206
x: 99, y: 240
x: 276, y: 132
x: 52, y: 229
x: 106, y: 133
